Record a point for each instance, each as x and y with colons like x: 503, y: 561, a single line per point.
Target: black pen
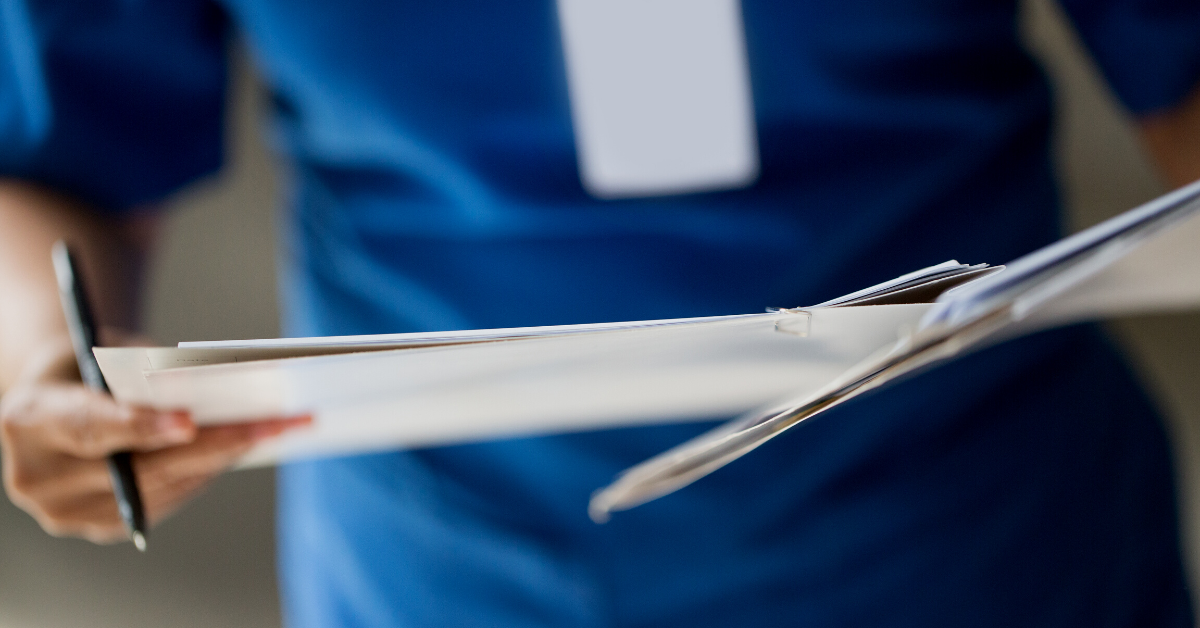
x: 82, y: 328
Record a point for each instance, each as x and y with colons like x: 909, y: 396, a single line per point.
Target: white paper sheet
x: 1141, y: 260
x: 530, y: 384
x: 1163, y: 274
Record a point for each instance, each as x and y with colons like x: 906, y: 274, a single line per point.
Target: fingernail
x: 259, y: 432
x: 275, y: 428
x: 174, y: 426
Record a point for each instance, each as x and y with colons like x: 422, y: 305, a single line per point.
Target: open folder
x: 775, y: 369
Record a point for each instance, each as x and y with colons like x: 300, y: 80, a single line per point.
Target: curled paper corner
x: 605, y: 501
x: 599, y: 509
x: 799, y: 324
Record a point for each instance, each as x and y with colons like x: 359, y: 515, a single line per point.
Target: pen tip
x: 139, y: 541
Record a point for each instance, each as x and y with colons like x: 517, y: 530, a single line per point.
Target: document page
x: 422, y: 394
x: 1141, y: 260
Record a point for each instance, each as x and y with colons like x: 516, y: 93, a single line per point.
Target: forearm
x: 1173, y: 139
x: 110, y: 250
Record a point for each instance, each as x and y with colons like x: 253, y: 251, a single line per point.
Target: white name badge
x: 660, y: 95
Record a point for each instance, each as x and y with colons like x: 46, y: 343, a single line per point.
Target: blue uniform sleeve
x: 118, y: 102
x: 1149, y: 50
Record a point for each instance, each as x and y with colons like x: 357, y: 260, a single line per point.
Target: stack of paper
x: 383, y: 392
x: 418, y: 389
x: 1142, y: 260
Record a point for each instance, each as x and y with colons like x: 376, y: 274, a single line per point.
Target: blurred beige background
x: 213, y: 277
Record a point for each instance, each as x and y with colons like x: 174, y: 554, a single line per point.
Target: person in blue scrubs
x: 434, y: 186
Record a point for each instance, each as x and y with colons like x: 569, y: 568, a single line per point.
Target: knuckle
x: 157, y: 476
x: 7, y: 416
x: 8, y: 430
x: 139, y: 426
x: 53, y: 514
x: 53, y: 528
x: 66, y: 414
x: 101, y: 534
x: 63, y: 521
x: 129, y: 425
x: 76, y: 419
x: 15, y: 408
x: 60, y: 527
x: 87, y: 435
x: 19, y: 482
x: 49, y: 518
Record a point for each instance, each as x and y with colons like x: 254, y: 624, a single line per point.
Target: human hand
x: 55, y: 435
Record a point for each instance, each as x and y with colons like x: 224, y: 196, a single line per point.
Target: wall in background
x: 213, y: 277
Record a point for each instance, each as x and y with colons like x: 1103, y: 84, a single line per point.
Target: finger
x: 94, y: 516
x: 211, y: 453
x: 215, y: 449
x: 77, y: 499
x: 61, y: 478
x: 165, y: 502
x: 269, y: 428
x: 166, y: 482
x: 88, y: 424
x: 73, y: 477
x: 90, y: 516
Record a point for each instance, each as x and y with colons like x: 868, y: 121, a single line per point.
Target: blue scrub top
x: 435, y: 187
